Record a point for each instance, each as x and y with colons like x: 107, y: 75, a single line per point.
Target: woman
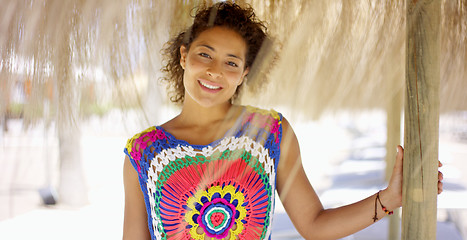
x: 212, y: 171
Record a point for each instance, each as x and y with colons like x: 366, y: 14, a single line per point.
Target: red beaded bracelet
x: 384, y: 208
x: 377, y: 199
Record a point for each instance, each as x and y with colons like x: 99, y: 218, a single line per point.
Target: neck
x: 197, y: 115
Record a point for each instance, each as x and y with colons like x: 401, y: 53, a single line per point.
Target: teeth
x: 209, y: 86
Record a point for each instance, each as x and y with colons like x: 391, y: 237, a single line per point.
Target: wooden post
x: 421, y: 120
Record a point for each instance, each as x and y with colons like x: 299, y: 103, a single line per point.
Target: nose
x: 214, y: 70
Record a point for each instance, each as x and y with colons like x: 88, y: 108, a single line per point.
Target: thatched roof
x: 333, y: 54
x: 351, y: 55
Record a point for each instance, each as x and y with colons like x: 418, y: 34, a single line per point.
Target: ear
x: 183, y: 53
x: 243, y: 78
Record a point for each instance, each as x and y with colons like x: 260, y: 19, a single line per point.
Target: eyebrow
x: 230, y: 55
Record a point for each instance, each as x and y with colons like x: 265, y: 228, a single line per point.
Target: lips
x: 209, y: 85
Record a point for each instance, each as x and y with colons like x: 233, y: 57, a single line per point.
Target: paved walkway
x: 29, y: 162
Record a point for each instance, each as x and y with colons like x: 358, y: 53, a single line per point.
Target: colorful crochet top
x: 223, y: 190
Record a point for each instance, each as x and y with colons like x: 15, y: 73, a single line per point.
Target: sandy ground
x: 342, y: 157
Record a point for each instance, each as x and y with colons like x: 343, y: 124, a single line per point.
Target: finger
x: 439, y: 164
x: 440, y: 187
x: 440, y: 183
x: 400, y: 152
x: 400, y: 149
x: 399, y: 157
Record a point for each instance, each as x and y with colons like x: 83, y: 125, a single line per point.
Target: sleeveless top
x: 223, y: 190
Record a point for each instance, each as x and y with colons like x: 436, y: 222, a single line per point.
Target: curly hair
x: 225, y: 14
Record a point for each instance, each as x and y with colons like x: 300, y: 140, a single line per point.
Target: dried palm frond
x: 69, y: 57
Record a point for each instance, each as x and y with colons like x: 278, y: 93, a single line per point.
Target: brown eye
x: 232, y: 64
x: 204, y: 55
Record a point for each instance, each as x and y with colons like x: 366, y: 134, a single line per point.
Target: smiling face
x: 214, y: 66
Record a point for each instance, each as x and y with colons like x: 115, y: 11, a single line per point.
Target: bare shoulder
x: 289, y: 145
x: 290, y: 159
x: 286, y: 127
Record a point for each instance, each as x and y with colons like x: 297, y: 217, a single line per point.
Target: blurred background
x: 79, y: 77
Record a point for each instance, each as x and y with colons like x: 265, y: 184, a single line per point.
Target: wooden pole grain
x: 421, y: 123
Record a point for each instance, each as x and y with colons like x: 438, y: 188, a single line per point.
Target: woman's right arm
x: 135, y: 224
